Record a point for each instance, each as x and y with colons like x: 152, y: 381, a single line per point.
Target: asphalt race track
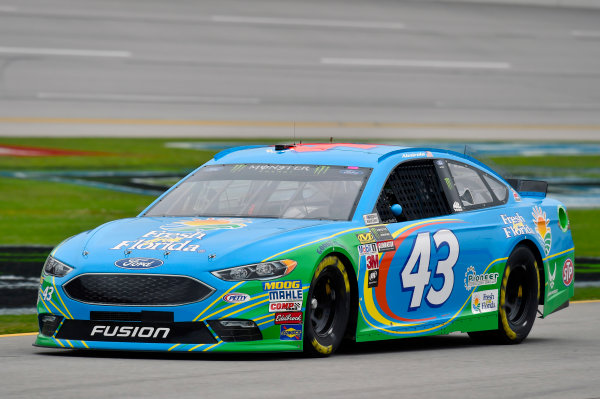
x: 560, y: 359
x: 356, y: 68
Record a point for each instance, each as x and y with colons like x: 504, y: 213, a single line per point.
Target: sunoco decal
x: 138, y: 263
x: 291, y: 332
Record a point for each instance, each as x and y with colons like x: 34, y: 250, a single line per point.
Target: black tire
x: 327, y: 308
x: 519, y: 298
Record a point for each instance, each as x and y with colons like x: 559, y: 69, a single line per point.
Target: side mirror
x: 396, y: 209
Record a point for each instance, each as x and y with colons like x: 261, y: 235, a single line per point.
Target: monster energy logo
x: 321, y: 170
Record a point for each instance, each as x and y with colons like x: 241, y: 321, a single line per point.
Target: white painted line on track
x: 374, y: 62
x: 146, y: 98
x: 585, y: 33
x: 307, y: 22
x: 65, y: 52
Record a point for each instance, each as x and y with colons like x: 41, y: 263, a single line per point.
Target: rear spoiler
x: 529, y: 188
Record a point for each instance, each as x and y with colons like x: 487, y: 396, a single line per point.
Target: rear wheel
x: 519, y: 297
x: 327, y: 308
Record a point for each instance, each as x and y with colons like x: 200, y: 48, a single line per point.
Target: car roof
x: 343, y: 154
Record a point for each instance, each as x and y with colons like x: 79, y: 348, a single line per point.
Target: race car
x: 300, y: 247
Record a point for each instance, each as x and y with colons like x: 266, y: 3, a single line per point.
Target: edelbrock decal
x: 138, y: 263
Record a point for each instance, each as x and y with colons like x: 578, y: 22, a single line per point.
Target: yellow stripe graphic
x: 219, y: 298
x: 59, y: 297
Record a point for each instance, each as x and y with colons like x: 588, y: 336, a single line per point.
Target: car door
x: 440, y: 238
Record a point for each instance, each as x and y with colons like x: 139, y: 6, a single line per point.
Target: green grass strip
x: 16, y: 324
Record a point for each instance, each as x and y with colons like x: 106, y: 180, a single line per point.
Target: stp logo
x: 568, y: 272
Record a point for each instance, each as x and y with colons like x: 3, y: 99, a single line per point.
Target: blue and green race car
x: 300, y: 247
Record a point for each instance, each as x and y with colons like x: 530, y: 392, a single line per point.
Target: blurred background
x: 104, y: 104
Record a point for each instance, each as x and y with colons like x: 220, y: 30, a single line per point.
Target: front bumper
x: 186, y: 328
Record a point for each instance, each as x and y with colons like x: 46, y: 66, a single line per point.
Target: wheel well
x: 351, y: 328
x: 540, y: 265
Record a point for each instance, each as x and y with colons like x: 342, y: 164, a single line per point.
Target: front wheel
x: 519, y: 297
x: 327, y: 308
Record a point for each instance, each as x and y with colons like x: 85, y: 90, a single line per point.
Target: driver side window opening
x: 416, y: 187
x: 476, y: 189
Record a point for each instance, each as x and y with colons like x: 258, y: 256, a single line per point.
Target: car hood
x: 183, y: 243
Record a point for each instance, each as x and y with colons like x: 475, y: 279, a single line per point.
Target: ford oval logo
x: 236, y: 297
x: 138, y: 263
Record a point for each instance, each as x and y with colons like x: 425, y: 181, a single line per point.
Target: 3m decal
x: 47, y: 294
x: 381, y: 233
x: 236, y: 297
x: 542, y: 227
x: 371, y: 218
x: 418, y: 280
x: 288, y: 318
x: 138, y: 263
x: 516, y: 225
x: 285, y: 307
x: 373, y: 278
x: 472, y: 279
x: 367, y: 249
x: 384, y: 246
x: 282, y: 285
x: 291, y: 332
x: 372, y: 261
x: 484, y: 301
x: 365, y: 238
x: 568, y: 272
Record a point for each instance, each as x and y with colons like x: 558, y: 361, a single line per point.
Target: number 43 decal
x: 418, y: 280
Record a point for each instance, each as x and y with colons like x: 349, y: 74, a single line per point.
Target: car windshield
x: 269, y: 191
